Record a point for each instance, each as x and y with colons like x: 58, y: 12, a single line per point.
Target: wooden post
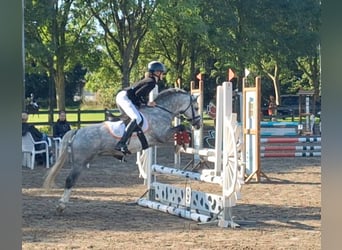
x: 251, y: 129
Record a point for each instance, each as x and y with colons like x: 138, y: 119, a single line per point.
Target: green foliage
x: 106, y: 97
x: 105, y: 81
x: 36, y: 84
x: 57, y: 35
x: 122, y: 26
x: 45, y: 129
x: 114, y: 41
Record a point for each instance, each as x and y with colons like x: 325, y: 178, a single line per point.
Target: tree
x: 55, y: 34
x: 105, y: 82
x: 289, y: 29
x: 124, y: 25
x: 229, y: 36
x: 309, y: 62
x: 74, y: 83
x: 176, y: 35
x: 114, y: 40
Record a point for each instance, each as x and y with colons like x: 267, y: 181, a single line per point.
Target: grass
x: 98, y: 117
x: 71, y: 117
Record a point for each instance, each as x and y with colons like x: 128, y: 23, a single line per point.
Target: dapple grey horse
x: 98, y: 139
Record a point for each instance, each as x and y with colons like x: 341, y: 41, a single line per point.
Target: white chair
x: 57, y: 146
x: 29, y: 152
x: 58, y: 149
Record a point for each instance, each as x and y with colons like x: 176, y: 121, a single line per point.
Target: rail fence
x: 74, y: 117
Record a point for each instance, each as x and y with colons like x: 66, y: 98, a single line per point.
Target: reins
x: 165, y: 109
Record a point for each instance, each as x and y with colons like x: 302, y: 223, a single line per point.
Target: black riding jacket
x: 60, y: 128
x: 36, y: 134
x: 139, y: 92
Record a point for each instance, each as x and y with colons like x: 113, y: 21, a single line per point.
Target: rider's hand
x: 151, y: 104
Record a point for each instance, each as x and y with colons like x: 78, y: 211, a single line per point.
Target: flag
x: 231, y: 74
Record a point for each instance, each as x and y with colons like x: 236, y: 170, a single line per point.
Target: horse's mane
x: 166, y: 92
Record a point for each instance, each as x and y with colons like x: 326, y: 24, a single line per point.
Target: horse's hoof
x: 60, y: 208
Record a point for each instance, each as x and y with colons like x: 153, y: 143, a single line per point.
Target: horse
x: 83, y: 144
x: 32, y: 108
x: 31, y: 105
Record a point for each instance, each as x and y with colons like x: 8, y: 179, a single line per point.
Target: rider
x: 130, y: 99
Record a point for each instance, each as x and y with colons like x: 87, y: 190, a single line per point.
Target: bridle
x: 194, y: 120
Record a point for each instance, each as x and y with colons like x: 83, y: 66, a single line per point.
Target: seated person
x: 36, y: 134
x: 26, y: 127
x: 61, y: 126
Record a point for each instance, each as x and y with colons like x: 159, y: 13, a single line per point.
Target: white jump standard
x: 197, y: 205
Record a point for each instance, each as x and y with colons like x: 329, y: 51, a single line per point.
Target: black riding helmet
x: 156, y: 66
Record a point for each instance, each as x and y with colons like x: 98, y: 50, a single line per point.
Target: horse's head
x: 191, y: 112
x: 32, y: 108
x: 179, y: 102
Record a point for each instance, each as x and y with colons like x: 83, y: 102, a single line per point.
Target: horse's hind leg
x: 69, y: 183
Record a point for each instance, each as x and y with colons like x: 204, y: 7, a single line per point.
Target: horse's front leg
x: 168, y: 133
x: 178, y: 128
x: 69, y: 183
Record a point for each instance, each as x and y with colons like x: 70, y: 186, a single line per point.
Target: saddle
x: 109, y: 116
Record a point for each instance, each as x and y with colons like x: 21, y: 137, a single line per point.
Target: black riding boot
x: 122, y: 144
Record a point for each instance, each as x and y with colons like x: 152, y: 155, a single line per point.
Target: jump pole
x: 278, y: 147
x: 290, y: 140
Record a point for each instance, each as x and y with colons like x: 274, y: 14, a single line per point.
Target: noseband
x: 194, y: 118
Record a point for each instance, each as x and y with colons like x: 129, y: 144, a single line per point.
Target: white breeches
x: 127, y: 106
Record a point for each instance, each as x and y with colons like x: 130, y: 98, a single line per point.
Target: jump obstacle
x: 236, y: 163
x: 290, y: 147
x: 228, y: 173
x: 278, y: 129
x: 284, y: 141
x: 256, y: 134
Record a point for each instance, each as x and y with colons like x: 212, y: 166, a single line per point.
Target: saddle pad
x: 117, y: 128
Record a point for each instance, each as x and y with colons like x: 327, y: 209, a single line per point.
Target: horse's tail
x: 49, y: 181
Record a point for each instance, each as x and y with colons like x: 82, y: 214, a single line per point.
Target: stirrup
x: 122, y: 149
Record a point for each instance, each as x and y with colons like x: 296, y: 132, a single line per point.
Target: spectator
x: 36, y: 134
x: 61, y: 126
x: 26, y: 127
x: 272, y: 108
